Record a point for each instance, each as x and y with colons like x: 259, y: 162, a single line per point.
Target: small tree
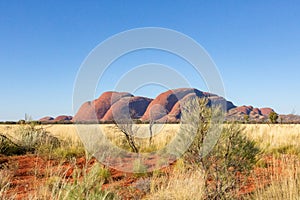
x: 273, y: 117
x: 126, y: 126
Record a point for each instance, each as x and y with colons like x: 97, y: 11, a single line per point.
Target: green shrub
x: 273, y: 117
x: 232, y: 155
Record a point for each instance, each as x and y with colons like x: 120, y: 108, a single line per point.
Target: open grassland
x: 66, y: 171
x: 271, y: 138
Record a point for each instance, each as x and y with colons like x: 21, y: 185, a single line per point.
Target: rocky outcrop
x: 254, y: 114
x: 46, y: 119
x: 162, y: 105
x: 127, y: 107
x: 166, y: 107
x: 95, y: 110
x: 63, y: 118
x: 58, y: 119
x: 266, y: 111
x: 291, y: 118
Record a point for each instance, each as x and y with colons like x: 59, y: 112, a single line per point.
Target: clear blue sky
x: 255, y: 45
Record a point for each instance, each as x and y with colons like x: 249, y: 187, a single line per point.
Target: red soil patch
x: 30, y: 172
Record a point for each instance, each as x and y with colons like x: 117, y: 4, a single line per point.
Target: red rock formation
x: 130, y: 107
x: 46, y: 119
x: 164, y: 102
x: 164, y: 108
x: 266, y: 111
x: 63, y: 118
x: 244, y: 109
x: 175, y: 114
x: 95, y: 110
x: 256, y: 111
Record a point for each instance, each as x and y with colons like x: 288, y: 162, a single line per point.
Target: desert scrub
x: 186, y: 184
x: 27, y: 139
x: 8, y: 147
x: 139, y: 169
x: 68, y: 149
x: 5, y: 182
x: 35, y: 138
x: 233, y: 155
x: 86, y: 184
x: 275, y: 139
x: 284, y: 184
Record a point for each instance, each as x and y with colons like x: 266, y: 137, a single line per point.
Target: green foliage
x: 68, y: 151
x: 273, y: 117
x: 286, y: 149
x: 232, y: 155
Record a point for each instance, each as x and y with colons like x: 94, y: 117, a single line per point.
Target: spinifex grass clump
x: 8, y: 147
x: 284, y: 183
x: 87, y: 184
x: 5, y: 179
x: 35, y: 138
x: 28, y: 138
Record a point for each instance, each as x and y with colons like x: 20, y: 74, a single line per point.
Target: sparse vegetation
x: 276, y: 175
x: 127, y: 127
x: 5, y: 182
x: 285, y: 185
x: 85, y: 185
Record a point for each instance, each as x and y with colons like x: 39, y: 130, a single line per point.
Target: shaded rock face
x: 162, y: 105
x: 127, y: 107
x: 175, y: 114
x: 244, y: 109
x: 220, y: 101
x: 95, y: 110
